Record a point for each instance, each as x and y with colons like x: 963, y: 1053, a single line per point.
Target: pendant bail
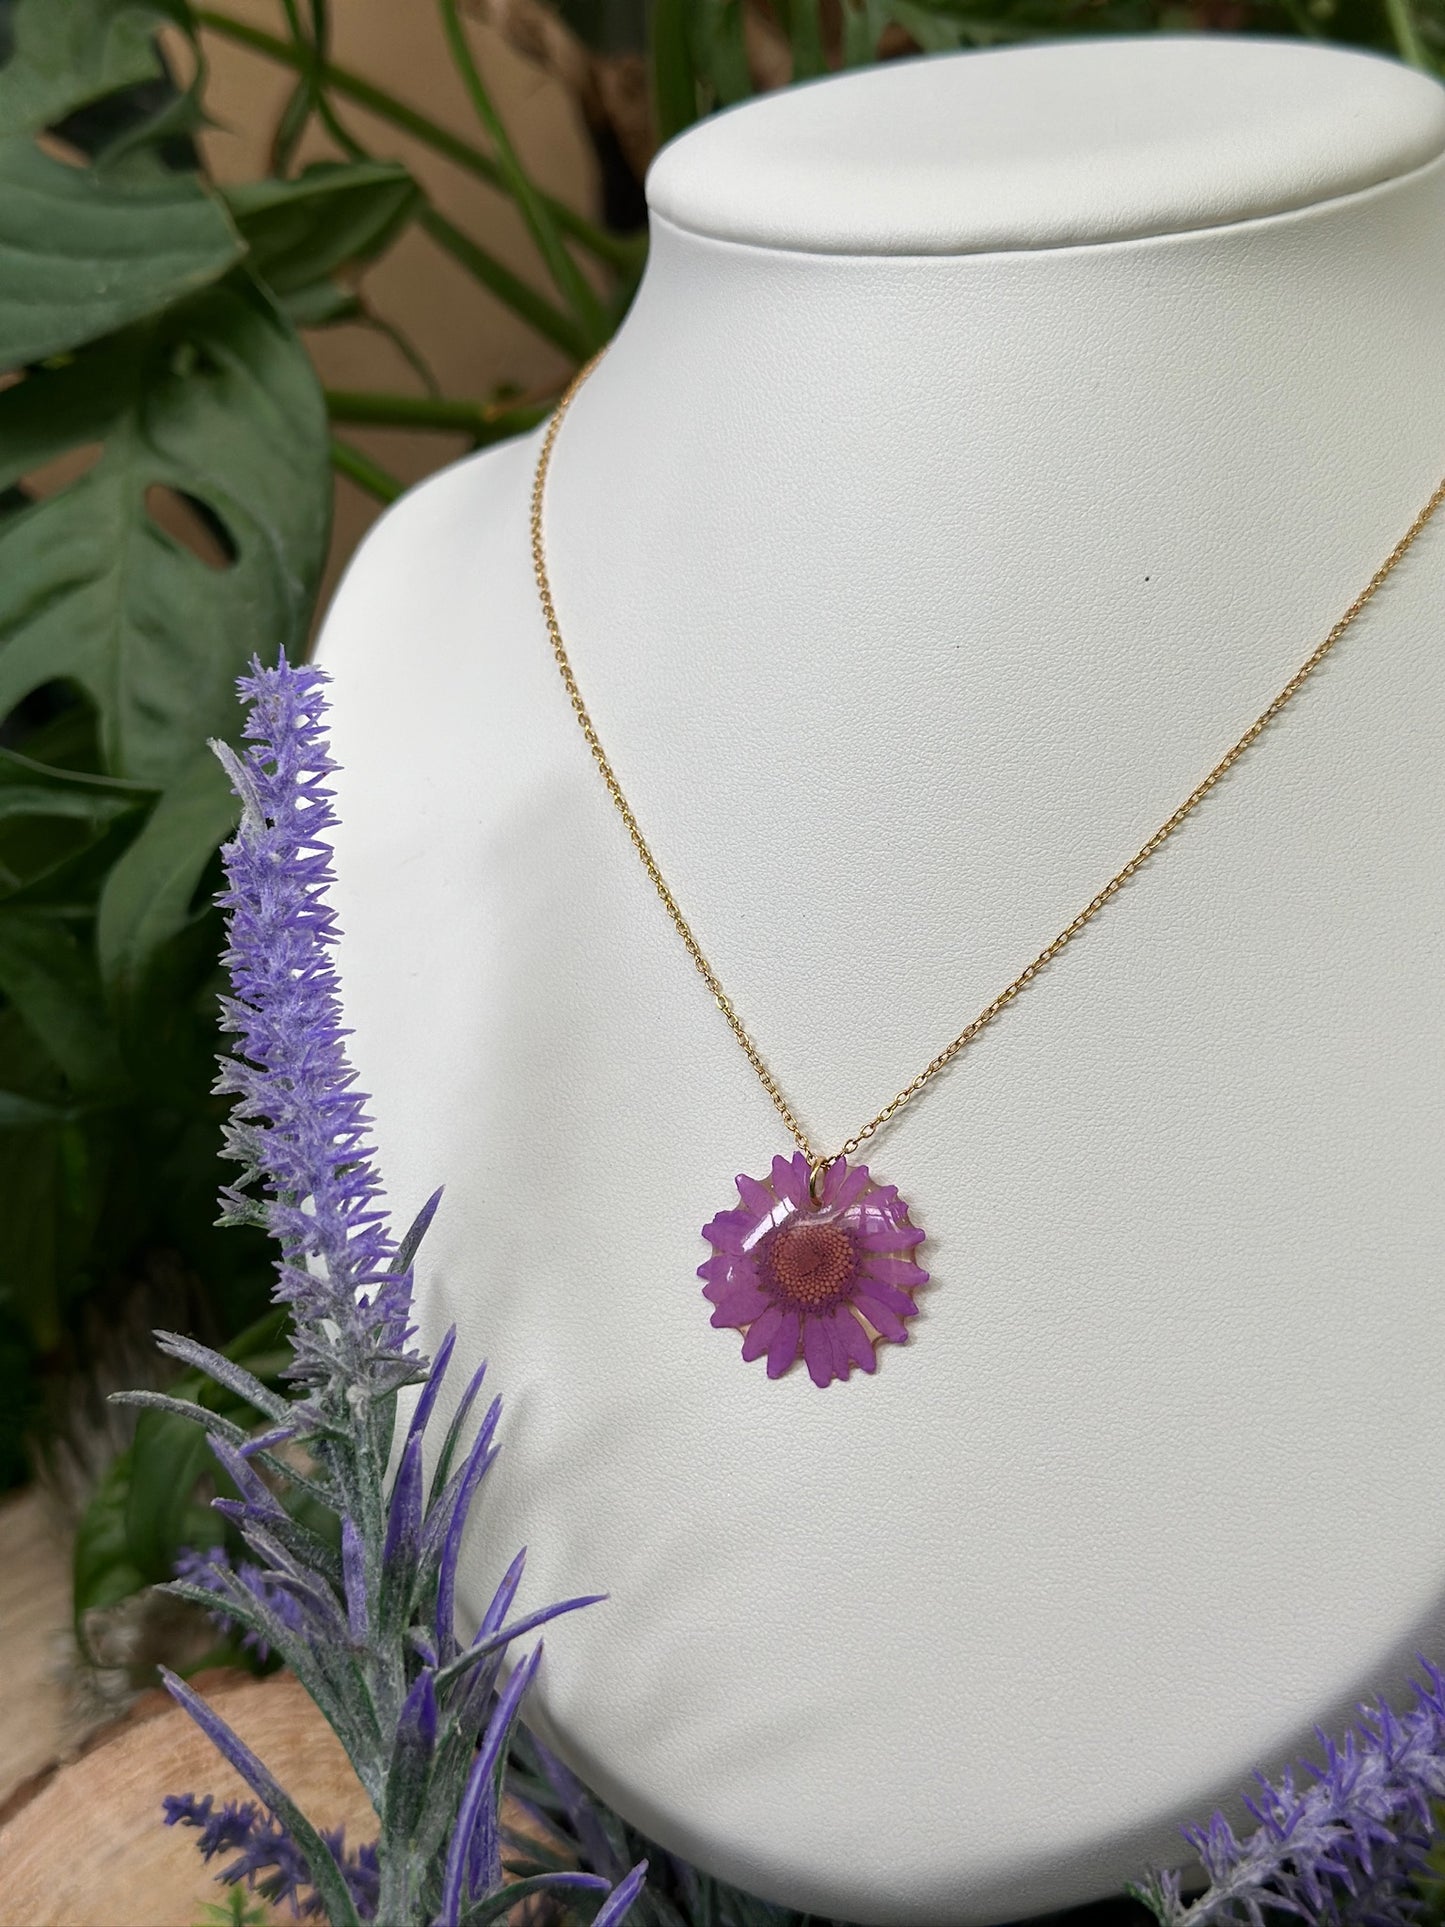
x: 817, y: 1171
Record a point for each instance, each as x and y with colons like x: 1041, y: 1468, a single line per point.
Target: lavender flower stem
x: 1342, y: 1851
x: 366, y: 1626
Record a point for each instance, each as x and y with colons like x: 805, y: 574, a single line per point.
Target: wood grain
x: 89, y: 1848
x: 34, y: 1620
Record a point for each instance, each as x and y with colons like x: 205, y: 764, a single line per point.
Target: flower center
x: 811, y: 1263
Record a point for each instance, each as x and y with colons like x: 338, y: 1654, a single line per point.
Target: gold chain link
x: 1050, y: 950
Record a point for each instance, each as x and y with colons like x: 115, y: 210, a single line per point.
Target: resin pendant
x: 825, y: 1279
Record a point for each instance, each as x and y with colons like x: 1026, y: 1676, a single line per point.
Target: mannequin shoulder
x: 435, y: 561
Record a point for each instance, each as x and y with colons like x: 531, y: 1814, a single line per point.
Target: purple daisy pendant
x: 823, y: 1277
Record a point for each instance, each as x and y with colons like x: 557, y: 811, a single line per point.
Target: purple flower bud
x: 419, y: 1714
x: 403, y: 1525
x: 1345, y: 1846
x: 353, y: 1567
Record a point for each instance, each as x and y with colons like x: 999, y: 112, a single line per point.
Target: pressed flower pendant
x: 823, y: 1277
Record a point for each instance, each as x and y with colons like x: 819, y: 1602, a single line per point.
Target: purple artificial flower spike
x: 363, y: 1614
x: 1344, y: 1850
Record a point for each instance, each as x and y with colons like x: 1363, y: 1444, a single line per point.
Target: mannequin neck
x: 985, y: 256
x: 822, y: 425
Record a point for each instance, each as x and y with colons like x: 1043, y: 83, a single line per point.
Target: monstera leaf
x: 84, y: 251
x: 215, y: 400
x: 333, y: 214
x: 67, y: 53
x: 146, y: 899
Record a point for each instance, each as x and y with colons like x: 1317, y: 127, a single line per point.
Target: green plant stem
x: 404, y: 346
x: 86, y: 777
x: 805, y: 35
x: 483, y: 421
x: 534, y: 308
x: 623, y: 251
x: 1302, y: 20
x: 310, y: 54
x: 550, y: 321
x: 350, y: 462
x: 1408, y: 43
x: 571, y: 283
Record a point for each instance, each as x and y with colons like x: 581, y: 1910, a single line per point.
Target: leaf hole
x: 53, y: 722
x: 193, y: 523
x: 67, y: 152
x: 192, y: 359
x: 64, y: 471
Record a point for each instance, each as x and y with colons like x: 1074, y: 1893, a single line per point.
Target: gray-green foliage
x: 156, y: 383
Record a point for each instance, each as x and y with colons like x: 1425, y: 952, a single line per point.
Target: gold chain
x: 985, y: 1017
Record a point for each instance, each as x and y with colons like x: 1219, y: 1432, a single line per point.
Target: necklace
x: 818, y: 1259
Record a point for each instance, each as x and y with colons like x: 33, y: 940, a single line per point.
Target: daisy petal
x: 757, y: 1198
x: 843, y: 1323
x: 728, y: 1229
x: 884, y: 1321
x: 852, y: 1341
x: 787, y: 1181
x: 818, y: 1350
x: 740, y: 1270
x: 844, y: 1184
x: 887, y: 1294
x: 718, y: 1267
x: 890, y: 1237
x: 893, y: 1271
x: 738, y: 1303
x: 760, y: 1332
x: 783, y: 1347
x: 841, y: 1361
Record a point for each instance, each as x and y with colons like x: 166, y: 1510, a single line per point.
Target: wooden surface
x: 82, y: 1843
x: 34, y: 1625
x: 82, y: 1839
x: 89, y: 1848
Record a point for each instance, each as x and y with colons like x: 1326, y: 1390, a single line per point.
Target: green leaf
x: 83, y: 253
x: 724, y: 57
x: 934, y: 32
x: 321, y: 305
x: 217, y: 401
x: 674, y: 85
x: 334, y: 213
x: 43, y: 822
x: 63, y: 882
x: 154, y: 1492
x: 146, y: 899
x: 85, y: 806
x: 498, y: 1905
x: 102, y: 1571
x: 51, y: 982
x: 863, y: 24
x: 70, y: 52
x: 805, y: 35
x: 237, y: 1910
x: 30, y: 1191
x: 168, y: 1457
x: 19, y: 1113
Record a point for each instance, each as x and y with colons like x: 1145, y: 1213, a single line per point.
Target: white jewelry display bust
x: 990, y: 439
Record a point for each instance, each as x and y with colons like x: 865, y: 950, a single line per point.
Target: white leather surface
x: 1050, y: 145
x: 909, y: 595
